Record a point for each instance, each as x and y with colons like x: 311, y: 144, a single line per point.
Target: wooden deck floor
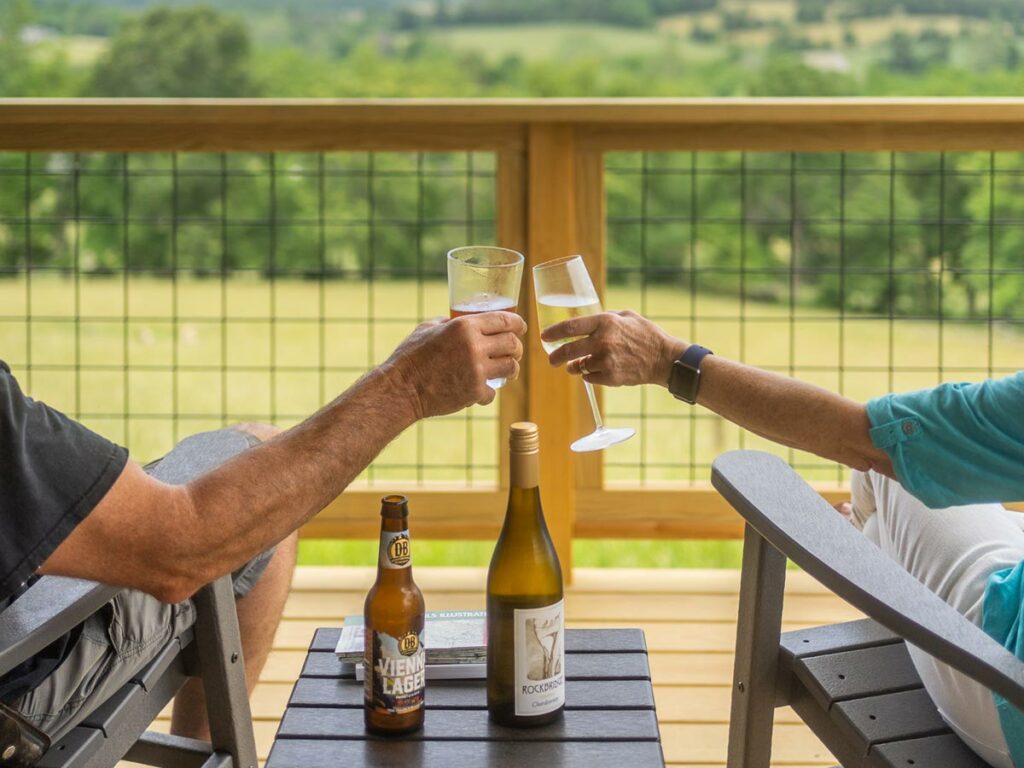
x: 689, y: 617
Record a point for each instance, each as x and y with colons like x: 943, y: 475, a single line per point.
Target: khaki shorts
x: 126, y: 634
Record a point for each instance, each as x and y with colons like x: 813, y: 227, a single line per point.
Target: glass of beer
x: 565, y: 290
x: 483, y: 278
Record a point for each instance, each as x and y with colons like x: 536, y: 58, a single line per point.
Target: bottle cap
x: 394, y: 505
x: 523, y: 437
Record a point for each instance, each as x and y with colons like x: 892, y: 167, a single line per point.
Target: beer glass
x: 483, y: 278
x: 565, y: 290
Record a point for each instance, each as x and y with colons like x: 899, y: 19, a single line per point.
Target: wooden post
x: 552, y: 393
x: 512, y: 233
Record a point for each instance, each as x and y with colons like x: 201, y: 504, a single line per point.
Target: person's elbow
x: 866, y: 458
x: 183, y: 566
x: 143, y: 535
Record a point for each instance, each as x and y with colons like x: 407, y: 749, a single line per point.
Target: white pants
x: 952, y: 552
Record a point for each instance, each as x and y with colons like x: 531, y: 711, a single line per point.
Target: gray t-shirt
x: 53, y: 472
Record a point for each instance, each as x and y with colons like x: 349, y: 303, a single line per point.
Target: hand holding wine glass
x: 564, y: 292
x: 616, y: 349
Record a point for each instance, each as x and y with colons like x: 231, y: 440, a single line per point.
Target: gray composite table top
x: 609, y: 716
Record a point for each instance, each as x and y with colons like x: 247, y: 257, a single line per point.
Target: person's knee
x: 260, y: 431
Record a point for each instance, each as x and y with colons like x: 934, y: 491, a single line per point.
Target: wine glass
x: 565, y: 290
x: 483, y: 278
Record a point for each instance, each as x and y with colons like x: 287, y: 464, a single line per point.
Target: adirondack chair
x: 211, y: 649
x: 852, y: 683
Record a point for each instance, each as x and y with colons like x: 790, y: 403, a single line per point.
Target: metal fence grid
x: 864, y: 273
x: 155, y: 295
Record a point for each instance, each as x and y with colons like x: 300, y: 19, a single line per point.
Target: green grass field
x: 138, y: 409
x: 535, y: 42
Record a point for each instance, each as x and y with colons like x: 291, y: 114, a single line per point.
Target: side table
x: 610, y: 719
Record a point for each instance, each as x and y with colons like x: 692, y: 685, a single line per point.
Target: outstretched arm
x: 624, y: 348
x: 170, y: 540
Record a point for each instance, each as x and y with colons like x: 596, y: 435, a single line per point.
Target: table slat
x: 474, y: 725
x: 310, y: 753
x: 578, y: 666
x: 576, y: 640
x: 471, y: 694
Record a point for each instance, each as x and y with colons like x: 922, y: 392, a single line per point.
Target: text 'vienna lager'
x: 395, y: 663
x: 525, y: 610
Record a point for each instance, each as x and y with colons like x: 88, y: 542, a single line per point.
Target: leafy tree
x: 810, y: 11
x: 901, y: 56
x: 169, y: 52
x: 14, y: 59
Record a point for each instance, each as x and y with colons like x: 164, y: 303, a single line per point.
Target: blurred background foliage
x: 352, y: 48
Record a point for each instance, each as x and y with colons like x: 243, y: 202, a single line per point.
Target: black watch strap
x: 684, y: 381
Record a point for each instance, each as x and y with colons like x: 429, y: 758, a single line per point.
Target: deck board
x: 688, y: 616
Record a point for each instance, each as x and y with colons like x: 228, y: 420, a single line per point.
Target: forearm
x: 170, y: 540
x: 791, y: 412
x: 624, y: 349
x: 258, y: 498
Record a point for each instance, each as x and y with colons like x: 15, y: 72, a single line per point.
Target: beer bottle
x: 395, y: 674
x: 525, y: 611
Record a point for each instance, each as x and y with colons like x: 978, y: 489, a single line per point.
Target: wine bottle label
x: 394, y: 549
x: 396, y: 672
x: 539, y: 659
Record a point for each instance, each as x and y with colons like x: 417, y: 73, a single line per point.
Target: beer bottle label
x: 396, y: 673
x: 539, y: 659
x: 394, y: 549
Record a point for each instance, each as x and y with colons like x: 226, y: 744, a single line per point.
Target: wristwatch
x: 684, y: 381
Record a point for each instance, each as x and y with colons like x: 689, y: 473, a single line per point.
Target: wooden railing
x: 550, y: 203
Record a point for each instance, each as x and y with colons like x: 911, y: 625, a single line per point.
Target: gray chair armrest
x: 51, y: 607
x: 793, y: 518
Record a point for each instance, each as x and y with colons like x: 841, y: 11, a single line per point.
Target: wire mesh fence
x: 864, y: 273
x: 155, y: 295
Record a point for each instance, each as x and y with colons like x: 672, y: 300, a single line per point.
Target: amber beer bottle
x: 395, y: 671
x: 525, y: 615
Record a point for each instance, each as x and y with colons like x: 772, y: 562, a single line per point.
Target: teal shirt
x: 964, y: 444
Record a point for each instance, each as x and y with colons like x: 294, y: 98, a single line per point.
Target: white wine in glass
x: 564, y: 291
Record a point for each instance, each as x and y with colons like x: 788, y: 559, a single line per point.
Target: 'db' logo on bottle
x: 398, y: 551
x: 408, y: 643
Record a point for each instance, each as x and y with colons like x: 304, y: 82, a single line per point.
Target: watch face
x: 684, y: 382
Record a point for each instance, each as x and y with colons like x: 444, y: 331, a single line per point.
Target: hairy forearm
x: 791, y: 412
x: 258, y: 498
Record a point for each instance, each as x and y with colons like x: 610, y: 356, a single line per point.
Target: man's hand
x: 617, y: 349
x: 444, y: 364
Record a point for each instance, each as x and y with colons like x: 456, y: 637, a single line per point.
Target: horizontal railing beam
x: 806, y: 136
x: 661, y: 512
x: 299, y: 112
x: 435, y: 513
x: 215, y: 125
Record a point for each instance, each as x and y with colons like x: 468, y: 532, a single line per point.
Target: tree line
x: 819, y: 224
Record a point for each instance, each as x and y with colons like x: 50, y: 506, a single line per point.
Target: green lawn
x: 138, y: 408
x: 535, y: 42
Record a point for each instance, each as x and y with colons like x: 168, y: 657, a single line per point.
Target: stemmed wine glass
x: 565, y: 290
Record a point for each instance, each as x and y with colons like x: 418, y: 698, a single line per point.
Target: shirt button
x: 908, y: 427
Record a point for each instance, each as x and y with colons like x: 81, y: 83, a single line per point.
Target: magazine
x: 449, y: 637
x: 461, y: 671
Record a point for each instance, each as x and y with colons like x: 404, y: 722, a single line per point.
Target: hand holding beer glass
x: 484, y: 279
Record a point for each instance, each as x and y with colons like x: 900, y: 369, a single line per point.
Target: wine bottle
x: 525, y: 607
